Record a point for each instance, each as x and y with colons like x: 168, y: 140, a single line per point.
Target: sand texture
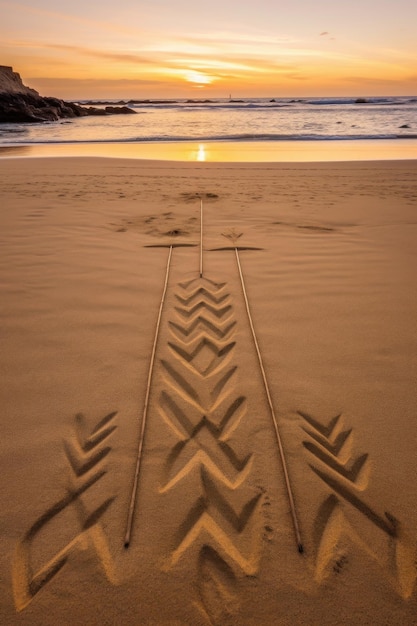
x: 328, y: 257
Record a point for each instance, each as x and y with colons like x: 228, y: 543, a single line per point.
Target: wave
x: 265, y: 103
x: 215, y: 106
x: 356, y: 101
x: 246, y: 137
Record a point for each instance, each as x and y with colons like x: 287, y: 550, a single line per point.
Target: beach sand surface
x: 328, y: 255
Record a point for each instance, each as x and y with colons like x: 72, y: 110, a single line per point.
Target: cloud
x: 121, y: 57
x: 235, y: 62
x: 246, y: 38
x: 373, y: 80
x: 114, y: 82
x: 324, y: 33
x: 58, y: 55
x: 83, y: 88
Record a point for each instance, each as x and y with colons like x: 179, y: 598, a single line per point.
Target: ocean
x: 246, y: 120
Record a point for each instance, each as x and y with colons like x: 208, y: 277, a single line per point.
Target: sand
x: 328, y: 257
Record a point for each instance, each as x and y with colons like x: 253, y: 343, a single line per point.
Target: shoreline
x: 233, y: 152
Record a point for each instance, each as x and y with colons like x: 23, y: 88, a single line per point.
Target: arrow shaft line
x: 272, y: 411
x: 133, y: 496
x: 201, y: 238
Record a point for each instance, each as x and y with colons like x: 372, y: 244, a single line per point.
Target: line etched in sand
x: 213, y: 513
x: 134, y: 490
x: 85, y: 455
x: 221, y: 331
x: 201, y: 407
x: 198, y: 406
x: 344, y: 478
x: 205, y: 356
x: 199, y: 293
x: 234, y: 237
x: 187, y: 313
x: 348, y: 478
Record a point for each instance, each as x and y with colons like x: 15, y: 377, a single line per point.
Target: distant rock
x: 361, y: 101
x: 94, y: 111
x: 152, y: 102
x: 21, y: 104
x: 101, y: 102
x: 112, y: 110
x: 198, y: 101
x: 405, y: 126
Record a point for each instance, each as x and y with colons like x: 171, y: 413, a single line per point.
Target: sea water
x: 220, y: 120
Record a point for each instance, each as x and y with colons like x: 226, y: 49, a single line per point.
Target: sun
x: 198, y: 78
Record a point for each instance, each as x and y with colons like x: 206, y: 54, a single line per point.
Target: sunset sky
x: 190, y: 48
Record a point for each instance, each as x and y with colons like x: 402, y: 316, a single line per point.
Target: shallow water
x: 239, y: 121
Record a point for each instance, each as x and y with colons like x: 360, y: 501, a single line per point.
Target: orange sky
x: 179, y: 48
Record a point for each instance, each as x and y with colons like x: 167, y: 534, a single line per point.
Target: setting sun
x: 198, y: 78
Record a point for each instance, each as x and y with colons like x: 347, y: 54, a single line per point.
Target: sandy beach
x: 328, y: 255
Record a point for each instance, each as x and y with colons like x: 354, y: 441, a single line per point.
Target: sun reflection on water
x: 237, y: 152
x: 201, y: 154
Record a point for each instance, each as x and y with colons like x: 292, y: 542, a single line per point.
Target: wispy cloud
x: 372, y: 80
x: 116, y: 56
x: 232, y: 38
x: 227, y: 63
x: 87, y: 82
x: 74, y: 54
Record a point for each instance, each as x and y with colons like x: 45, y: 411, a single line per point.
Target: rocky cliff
x: 10, y: 82
x: 19, y: 103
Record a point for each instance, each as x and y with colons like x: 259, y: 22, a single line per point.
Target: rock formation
x: 19, y: 103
